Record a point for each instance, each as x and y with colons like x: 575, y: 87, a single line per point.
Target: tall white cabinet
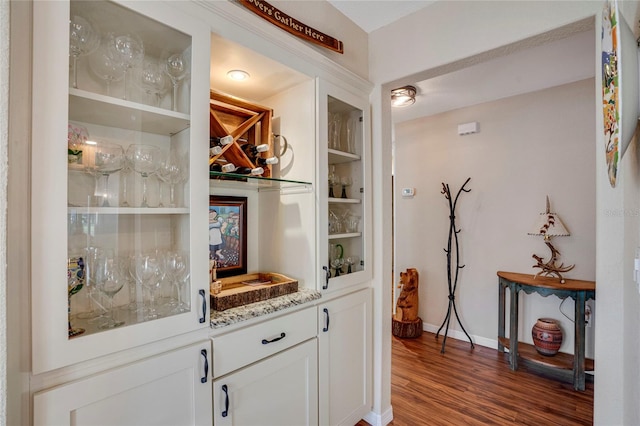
x: 80, y: 206
x: 344, y: 188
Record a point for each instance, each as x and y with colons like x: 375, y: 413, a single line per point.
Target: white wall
x: 529, y: 146
x: 4, y: 139
x: 449, y: 31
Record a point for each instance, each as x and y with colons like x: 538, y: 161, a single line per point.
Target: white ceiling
x: 371, y: 15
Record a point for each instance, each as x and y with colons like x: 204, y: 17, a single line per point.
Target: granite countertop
x: 227, y: 317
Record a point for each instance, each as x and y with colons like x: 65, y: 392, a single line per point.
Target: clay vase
x: 547, y: 336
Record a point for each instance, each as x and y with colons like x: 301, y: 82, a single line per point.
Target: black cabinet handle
x: 203, y: 352
x: 266, y: 342
x: 204, y: 306
x: 326, y: 314
x: 327, y: 276
x: 226, y: 401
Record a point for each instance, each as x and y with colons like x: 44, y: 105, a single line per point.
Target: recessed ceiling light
x: 238, y: 75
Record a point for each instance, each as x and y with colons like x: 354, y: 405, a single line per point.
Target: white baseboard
x: 375, y: 419
x: 459, y: 335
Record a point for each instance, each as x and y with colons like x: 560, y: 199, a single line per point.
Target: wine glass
x: 172, y: 172
x: 144, y: 159
x: 91, y: 258
x: 151, y: 79
x: 352, y: 261
x: 345, y: 182
x: 109, y: 281
x: 109, y: 158
x: 176, y: 266
x: 126, y: 48
x: 106, y: 66
x: 333, y: 180
x: 83, y: 39
x: 176, y: 65
x: 147, y: 270
x: 75, y: 281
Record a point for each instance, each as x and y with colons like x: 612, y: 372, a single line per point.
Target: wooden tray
x: 241, y: 290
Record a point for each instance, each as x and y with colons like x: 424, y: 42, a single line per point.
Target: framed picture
x: 228, y: 234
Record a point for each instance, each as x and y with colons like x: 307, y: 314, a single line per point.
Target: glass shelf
x: 259, y: 183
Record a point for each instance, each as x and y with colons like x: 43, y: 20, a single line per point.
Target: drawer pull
x: 226, y: 401
x: 203, y: 352
x: 266, y: 342
x: 204, y: 306
x: 327, y: 276
x: 326, y: 314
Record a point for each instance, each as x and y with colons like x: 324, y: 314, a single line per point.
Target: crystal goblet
x: 83, y: 39
x: 145, y: 160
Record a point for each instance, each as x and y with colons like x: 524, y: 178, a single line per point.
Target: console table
x: 580, y: 291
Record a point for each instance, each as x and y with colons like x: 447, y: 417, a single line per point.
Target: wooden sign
x: 291, y: 25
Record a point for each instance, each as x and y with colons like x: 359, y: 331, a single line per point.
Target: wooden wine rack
x: 240, y: 119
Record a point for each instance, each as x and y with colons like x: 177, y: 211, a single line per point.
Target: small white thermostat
x: 408, y: 192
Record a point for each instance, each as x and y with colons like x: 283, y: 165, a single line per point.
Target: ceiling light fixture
x: 238, y: 75
x: 403, y: 96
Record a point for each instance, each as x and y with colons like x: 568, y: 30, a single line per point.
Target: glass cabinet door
x: 344, y: 188
x: 116, y: 214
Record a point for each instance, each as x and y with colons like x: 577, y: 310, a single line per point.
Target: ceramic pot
x: 547, y: 336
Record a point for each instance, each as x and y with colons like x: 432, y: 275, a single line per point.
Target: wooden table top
x: 548, y: 282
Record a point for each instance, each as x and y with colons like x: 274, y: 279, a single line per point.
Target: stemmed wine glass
x: 172, y: 171
x: 109, y: 281
x: 106, y: 66
x: 75, y: 280
x: 147, y: 270
x: 176, y: 65
x: 176, y: 266
x: 128, y: 49
x: 83, y: 39
x: 144, y: 159
x: 109, y: 158
x: 345, y: 182
x: 91, y: 259
x: 352, y: 261
x: 151, y: 79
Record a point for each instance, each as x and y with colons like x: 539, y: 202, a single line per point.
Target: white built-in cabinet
x: 173, y: 388
x: 343, y: 188
x: 267, y: 374
x: 77, y: 212
x: 344, y: 358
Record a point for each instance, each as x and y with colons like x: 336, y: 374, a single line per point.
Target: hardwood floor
x: 476, y: 387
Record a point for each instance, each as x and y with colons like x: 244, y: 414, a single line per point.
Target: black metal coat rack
x: 452, y: 272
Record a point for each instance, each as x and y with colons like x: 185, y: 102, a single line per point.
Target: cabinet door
x: 344, y: 190
x: 281, y: 390
x: 132, y: 184
x: 168, y: 389
x: 344, y: 342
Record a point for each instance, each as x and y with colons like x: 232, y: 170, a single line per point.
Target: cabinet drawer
x: 239, y: 348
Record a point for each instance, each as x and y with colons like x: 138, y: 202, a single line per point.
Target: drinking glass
x: 176, y: 65
x: 104, y: 65
x: 109, y: 281
x: 176, y: 266
x: 75, y: 281
x: 351, y: 135
x: 127, y: 49
x: 83, y: 39
x: 345, y: 182
x: 109, y: 158
x: 147, y: 270
x: 151, y: 79
x: 333, y: 180
x: 172, y: 171
x: 94, y: 309
x: 352, y: 263
x: 146, y: 160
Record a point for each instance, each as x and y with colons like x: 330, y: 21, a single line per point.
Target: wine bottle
x: 225, y: 168
x: 257, y: 171
x: 266, y: 161
x: 215, y: 150
x: 217, y: 141
x: 253, y: 150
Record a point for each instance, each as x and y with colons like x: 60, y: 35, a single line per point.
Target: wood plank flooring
x: 476, y: 387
